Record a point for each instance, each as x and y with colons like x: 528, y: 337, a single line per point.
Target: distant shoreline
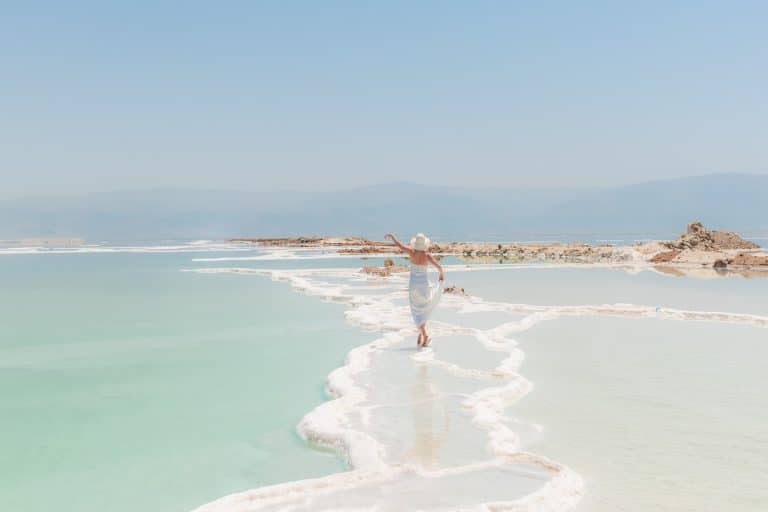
x: 52, y: 242
x: 696, y: 248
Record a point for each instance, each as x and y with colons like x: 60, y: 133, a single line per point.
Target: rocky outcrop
x: 726, y: 240
x: 281, y: 242
x: 454, y: 290
x: 749, y: 260
x: 389, y: 268
x: 697, y: 247
x: 358, y: 243
x: 510, y: 253
x: 699, y: 238
x: 666, y: 256
x: 372, y: 248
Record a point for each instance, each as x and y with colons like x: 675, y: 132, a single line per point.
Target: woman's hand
x: 442, y: 276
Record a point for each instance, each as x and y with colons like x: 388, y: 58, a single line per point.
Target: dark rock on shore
x: 455, y: 290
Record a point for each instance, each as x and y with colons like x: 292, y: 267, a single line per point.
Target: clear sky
x: 327, y: 94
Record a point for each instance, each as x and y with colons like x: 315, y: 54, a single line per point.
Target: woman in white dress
x: 422, y: 295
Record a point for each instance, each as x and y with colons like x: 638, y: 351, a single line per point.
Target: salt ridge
x: 327, y: 424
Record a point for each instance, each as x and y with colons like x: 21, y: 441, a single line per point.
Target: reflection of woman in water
x: 425, y: 403
x: 421, y: 294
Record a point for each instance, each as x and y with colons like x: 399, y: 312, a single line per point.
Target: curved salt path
x: 427, y: 429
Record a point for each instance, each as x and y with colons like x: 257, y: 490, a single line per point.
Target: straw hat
x: 420, y: 242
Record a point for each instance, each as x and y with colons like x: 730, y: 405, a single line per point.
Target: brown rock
x: 360, y: 245
x: 376, y: 271
x: 665, y: 257
x: 368, y: 249
x: 726, y: 240
x: 697, y: 237
x: 282, y: 242
x: 385, y: 271
x: 695, y: 228
x: 454, y: 290
x: 751, y: 260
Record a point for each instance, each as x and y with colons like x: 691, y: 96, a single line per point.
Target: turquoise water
x: 129, y: 385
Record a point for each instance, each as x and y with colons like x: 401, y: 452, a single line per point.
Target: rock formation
x: 455, y: 290
x: 715, y: 249
x: 699, y: 238
x: 749, y: 260
x: 362, y: 245
x: 389, y: 268
x: 666, y: 256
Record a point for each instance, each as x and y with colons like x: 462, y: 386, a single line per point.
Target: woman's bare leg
x: 418, y: 340
x: 424, y: 336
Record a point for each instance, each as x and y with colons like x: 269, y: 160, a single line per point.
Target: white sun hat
x: 420, y: 242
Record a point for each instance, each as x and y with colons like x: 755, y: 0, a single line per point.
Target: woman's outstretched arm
x: 400, y: 246
x: 437, y: 265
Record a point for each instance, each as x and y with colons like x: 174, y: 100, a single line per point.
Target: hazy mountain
x: 726, y: 201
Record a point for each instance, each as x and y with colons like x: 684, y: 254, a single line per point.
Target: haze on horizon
x: 334, y: 95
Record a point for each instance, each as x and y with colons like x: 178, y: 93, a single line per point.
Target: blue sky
x: 111, y: 95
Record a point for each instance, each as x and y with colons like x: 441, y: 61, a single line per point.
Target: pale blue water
x: 129, y: 385
x: 569, y: 286
x: 655, y: 414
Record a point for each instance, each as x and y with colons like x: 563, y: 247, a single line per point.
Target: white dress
x: 422, y: 294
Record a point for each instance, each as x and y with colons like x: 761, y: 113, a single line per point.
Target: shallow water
x: 136, y: 386
x: 552, y: 285
x: 655, y: 414
x: 128, y: 385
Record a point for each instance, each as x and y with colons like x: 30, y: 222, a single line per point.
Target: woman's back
x: 419, y: 258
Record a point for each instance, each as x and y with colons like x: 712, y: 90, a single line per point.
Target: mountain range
x: 730, y: 201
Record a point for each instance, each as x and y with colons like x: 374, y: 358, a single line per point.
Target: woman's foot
x: 427, y: 339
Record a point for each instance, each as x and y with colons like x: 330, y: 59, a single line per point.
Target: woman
x: 423, y: 296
